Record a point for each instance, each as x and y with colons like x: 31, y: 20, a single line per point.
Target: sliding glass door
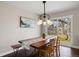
x: 60, y: 26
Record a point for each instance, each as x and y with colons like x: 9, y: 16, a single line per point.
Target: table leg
x: 14, y: 52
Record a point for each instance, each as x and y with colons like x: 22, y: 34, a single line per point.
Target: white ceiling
x: 36, y: 7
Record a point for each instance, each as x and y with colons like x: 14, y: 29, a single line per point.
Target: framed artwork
x: 26, y: 22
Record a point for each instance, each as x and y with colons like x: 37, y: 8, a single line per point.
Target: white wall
x: 10, y: 32
x: 75, y: 23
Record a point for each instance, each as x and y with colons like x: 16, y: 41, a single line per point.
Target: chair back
x: 57, y: 41
x: 51, y: 44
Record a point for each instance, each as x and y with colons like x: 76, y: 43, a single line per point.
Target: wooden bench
x: 16, y: 48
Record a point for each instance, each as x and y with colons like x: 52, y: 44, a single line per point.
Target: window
x: 61, y: 25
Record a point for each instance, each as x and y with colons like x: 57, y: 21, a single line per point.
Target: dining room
x: 39, y: 28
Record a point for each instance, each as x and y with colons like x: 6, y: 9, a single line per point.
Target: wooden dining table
x: 39, y: 45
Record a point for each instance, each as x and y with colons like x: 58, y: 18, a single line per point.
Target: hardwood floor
x: 69, y: 52
x: 64, y: 52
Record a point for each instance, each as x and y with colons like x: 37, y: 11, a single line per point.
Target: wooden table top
x: 41, y: 43
x: 38, y: 44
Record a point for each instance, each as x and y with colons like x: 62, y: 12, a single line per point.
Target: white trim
x: 62, y: 17
x: 8, y: 52
x: 70, y: 46
x: 71, y: 27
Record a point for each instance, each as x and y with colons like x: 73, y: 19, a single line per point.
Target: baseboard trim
x: 2, y: 54
x: 71, y: 46
x: 8, y: 52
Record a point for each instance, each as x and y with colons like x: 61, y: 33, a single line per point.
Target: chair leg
x: 58, y: 51
x: 53, y: 53
x: 50, y: 55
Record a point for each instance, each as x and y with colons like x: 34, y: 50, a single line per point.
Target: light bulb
x: 49, y: 22
x: 44, y: 23
x: 39, y: 22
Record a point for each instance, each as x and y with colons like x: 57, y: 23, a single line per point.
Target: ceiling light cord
x: 44, y: 8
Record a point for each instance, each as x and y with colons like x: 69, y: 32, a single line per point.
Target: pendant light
x: 44, y: 18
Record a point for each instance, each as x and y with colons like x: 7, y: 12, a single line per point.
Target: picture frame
x: 26, y: 22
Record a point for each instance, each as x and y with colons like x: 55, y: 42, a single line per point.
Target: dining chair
x: 48, y: 49
x: 57, y: 46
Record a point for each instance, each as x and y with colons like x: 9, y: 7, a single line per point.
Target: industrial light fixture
x: 44, y: 18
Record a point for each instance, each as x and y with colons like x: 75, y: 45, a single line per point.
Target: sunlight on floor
x: 65, y: 52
